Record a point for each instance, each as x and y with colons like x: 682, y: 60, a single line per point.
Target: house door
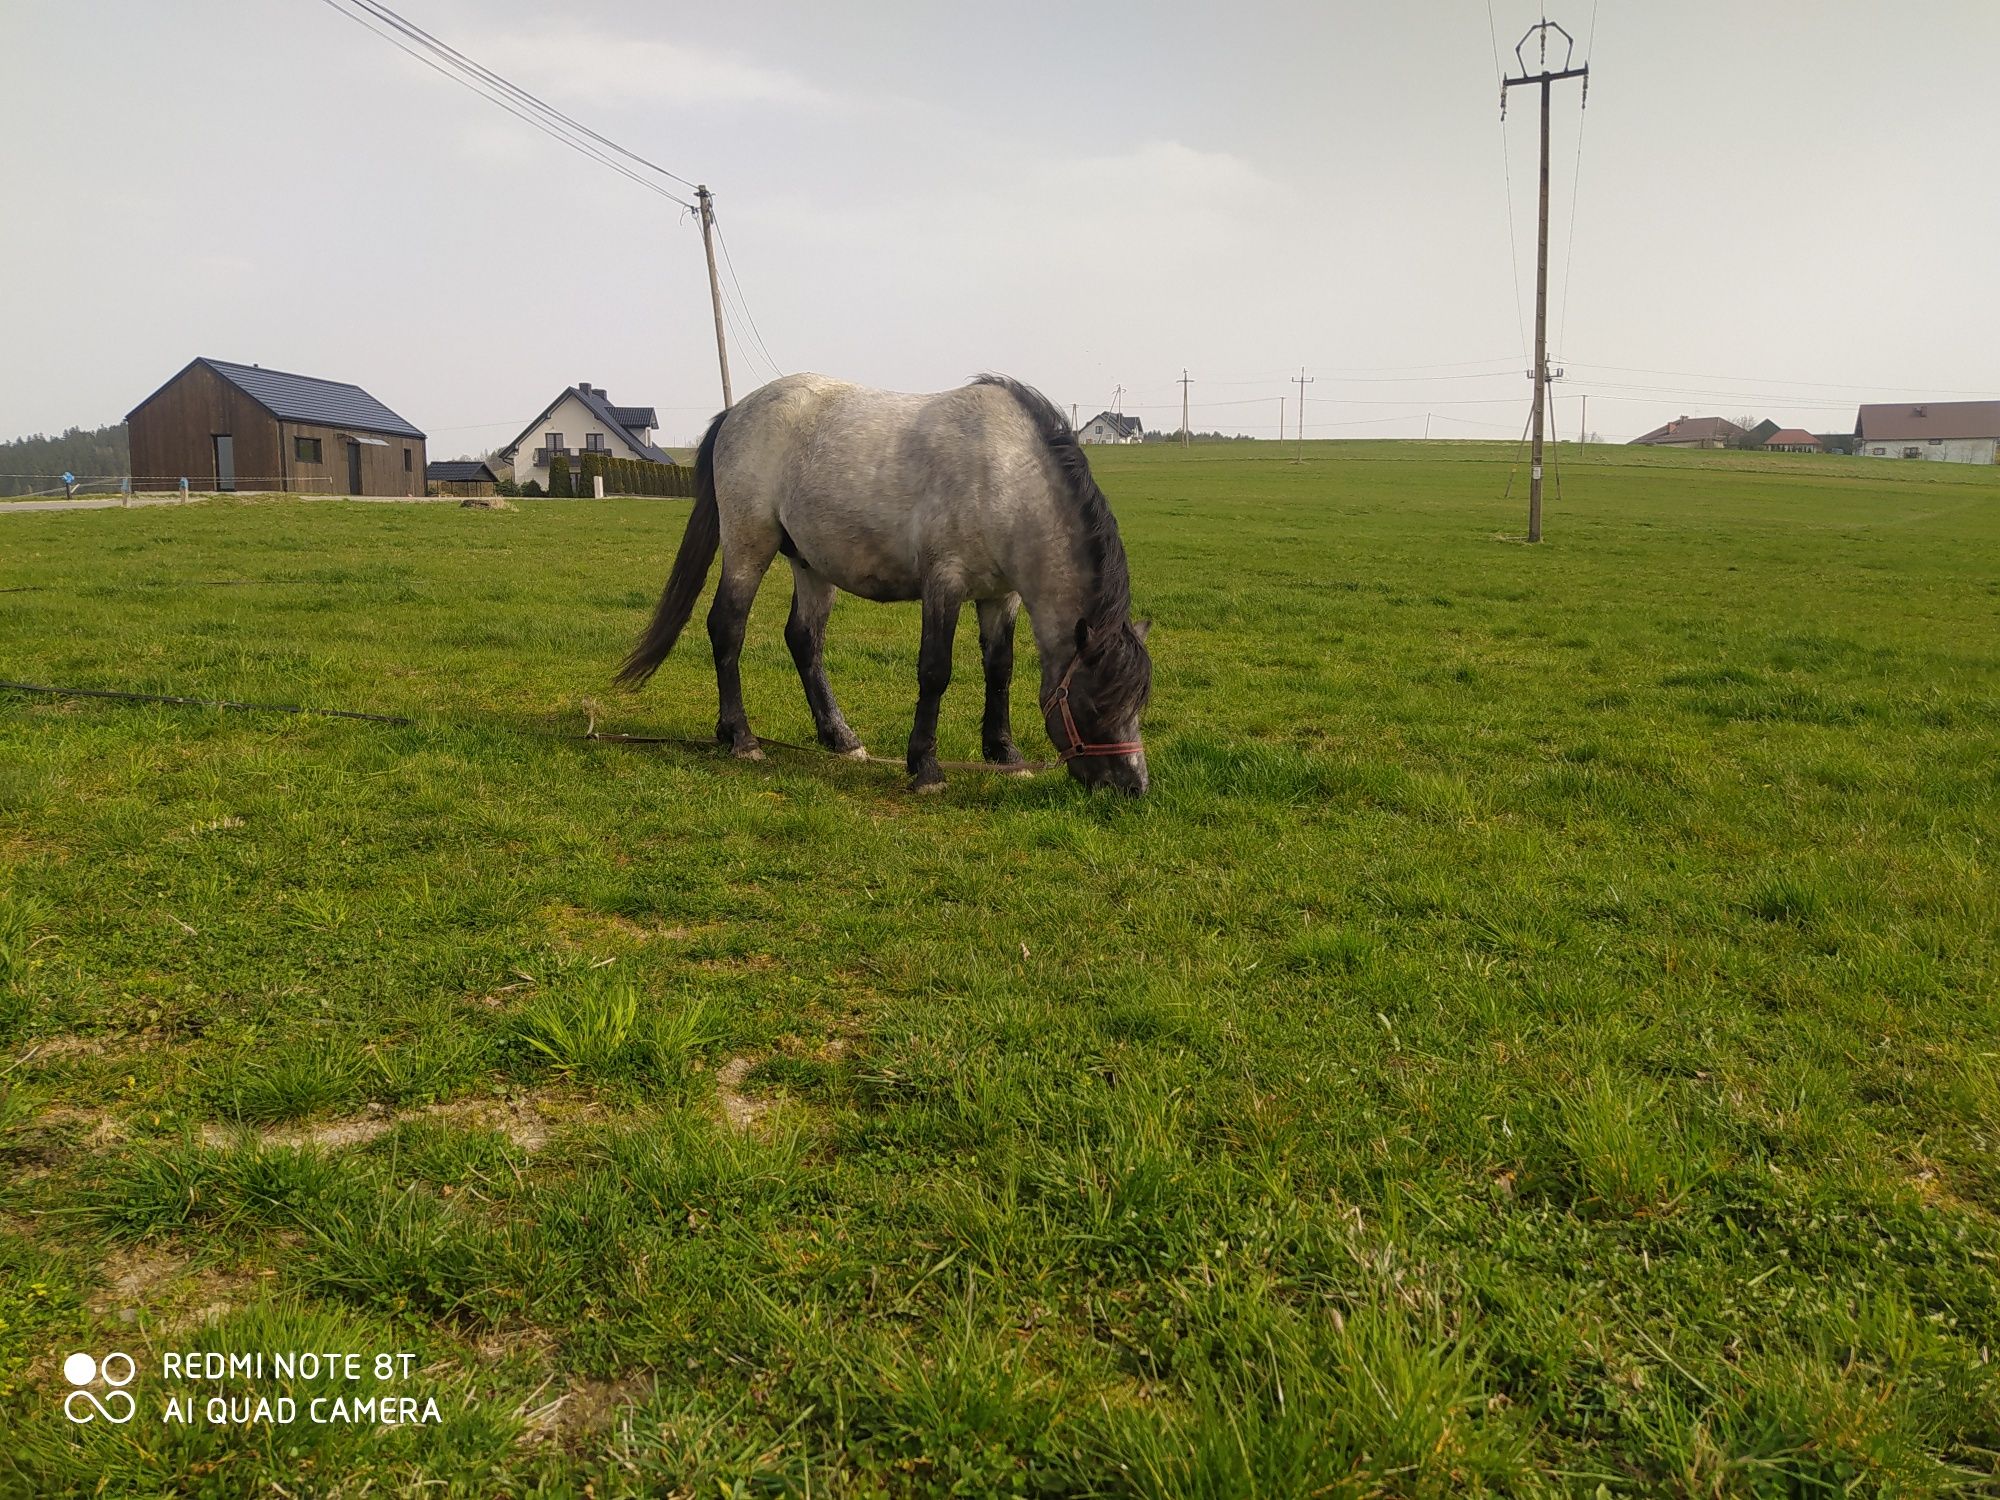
x: 353, y: 468
x: 225, y: 461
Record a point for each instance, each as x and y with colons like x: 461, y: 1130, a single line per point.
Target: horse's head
x: 1093, y: 714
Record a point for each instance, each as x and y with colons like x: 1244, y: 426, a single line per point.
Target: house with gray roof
x: 224, y: 426
x: 1111, y: 427
x: 582, y: 419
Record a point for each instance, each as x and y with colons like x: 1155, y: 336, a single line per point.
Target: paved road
x: 114, y: 502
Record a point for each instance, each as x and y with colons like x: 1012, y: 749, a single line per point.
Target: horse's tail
x: 690, y: 571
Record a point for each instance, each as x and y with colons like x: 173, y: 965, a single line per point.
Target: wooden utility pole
x: 1281, y: 419
x: 1302, y: 380
x: 701, y: 195
x: 1072, y: 416
x: 1540, y: 373
x: 1583, y: 424
x: 1184, y: 406
x: 1118, y: 399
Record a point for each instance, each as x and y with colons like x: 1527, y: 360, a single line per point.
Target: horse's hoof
x: 755, y: 752
x: 925, y: 788
x: 1020, y: 773
x: 859, y: 752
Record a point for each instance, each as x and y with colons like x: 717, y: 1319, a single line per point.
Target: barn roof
x: 305, y: 398
x: 1692, y: 430
x: 1791, y: 437
x: 1894, y: 420
x: 459, y: 471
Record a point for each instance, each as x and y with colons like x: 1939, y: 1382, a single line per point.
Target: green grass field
x: 1542, y: 1034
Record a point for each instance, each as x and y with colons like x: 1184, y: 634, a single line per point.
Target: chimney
x: 584, y: 386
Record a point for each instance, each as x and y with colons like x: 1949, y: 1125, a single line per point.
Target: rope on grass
x: 591, y: 732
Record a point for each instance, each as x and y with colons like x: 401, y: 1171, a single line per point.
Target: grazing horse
x: 980, y: 494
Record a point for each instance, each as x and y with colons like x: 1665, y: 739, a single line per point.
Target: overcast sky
x: 1782, y: 208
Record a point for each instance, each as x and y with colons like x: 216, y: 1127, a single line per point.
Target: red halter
x: 1058, y: 702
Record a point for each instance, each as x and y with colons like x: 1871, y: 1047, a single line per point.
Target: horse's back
x: 877, y: 488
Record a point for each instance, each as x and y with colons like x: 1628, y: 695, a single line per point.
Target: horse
x: 980, y: 493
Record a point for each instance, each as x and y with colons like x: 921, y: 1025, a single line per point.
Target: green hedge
x: 637, y: 476
x: 560, y: 487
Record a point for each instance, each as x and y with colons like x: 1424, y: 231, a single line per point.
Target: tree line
x: 38, y: 462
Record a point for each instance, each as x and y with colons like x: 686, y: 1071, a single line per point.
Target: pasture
x: 1539, y: 1036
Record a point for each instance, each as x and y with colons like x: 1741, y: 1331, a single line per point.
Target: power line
x: 1831, y: 385
x: 459, y: 59
x: 742, y: 301
x: 500, y: 101
x: 1507, y: 175
x: 1576, y: 176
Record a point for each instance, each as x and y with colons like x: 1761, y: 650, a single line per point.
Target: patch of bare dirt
x: 149, y: 1281
x: 738, y: 1108
x: 528, y: 1120
x: 578, y: 930
x: 584, y: 1408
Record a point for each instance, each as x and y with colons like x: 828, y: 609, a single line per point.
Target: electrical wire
x: 744, y: 302
x: 501, y: 101
x: 1507, y: 174
x: 459, y: 59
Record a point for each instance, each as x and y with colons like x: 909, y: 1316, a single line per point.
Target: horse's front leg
x: 933, y: 677
x: 996, y: 648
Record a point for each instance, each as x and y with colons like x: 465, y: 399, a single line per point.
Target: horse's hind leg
x: 728, y: 618
x: 805, y: 633
x: 941, y: 612
x: 996, y: 648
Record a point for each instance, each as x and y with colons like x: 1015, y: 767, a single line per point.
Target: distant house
x: 1693, y: 432
x: 1758, y: 436
x: 1111, y: 427
x: 224, y: 426
x: 1953, y: 432
x: 582, y: 420
x: 461, y: 476
x: 1793, y: 440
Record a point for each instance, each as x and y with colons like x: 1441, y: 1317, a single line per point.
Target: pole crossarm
x: 1557, y: 77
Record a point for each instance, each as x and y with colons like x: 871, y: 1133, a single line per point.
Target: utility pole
x: 1541, y: 371
x: 1118, y: 399
x: 1281, y: 419
x: 1583, y: 425
x: 1072, y: 416
x: 1302, y: 380
x: 1184, y: 406
x: 701, y: 195
x: 1427, y: 429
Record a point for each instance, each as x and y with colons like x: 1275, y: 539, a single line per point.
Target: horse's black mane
x: 1121, y: 676
x: 1111, y: 586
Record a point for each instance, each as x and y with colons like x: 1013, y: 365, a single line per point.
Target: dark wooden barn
x: 224, y: 426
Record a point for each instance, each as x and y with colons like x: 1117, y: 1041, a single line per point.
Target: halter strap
x: 1058, y: 702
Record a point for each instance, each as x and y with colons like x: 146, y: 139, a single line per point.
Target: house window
x: 306, y: 450
x: 1936, y: 441
x: 593, y: 443
x: 1880, y: 452
x: 1913, y: 453
x: 406, y: 460
x: 555, y: 442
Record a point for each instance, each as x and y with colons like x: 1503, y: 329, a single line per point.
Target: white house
x: 1110, y: 427
x: 582, y: 420
x: 1952, y: 432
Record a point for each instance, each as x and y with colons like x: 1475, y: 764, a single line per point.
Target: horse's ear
x: 1141, y: 629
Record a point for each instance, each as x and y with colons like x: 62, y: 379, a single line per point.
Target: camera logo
x: 80, y: 1370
